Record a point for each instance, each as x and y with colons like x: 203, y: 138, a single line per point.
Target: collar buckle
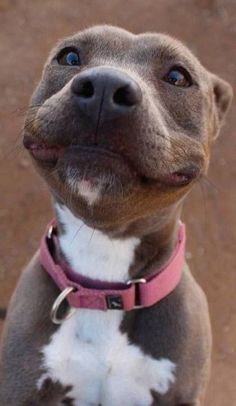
x: 136, y: 282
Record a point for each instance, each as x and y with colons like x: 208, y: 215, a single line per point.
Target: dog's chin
x: 94, y: 187
x: 94, y: 173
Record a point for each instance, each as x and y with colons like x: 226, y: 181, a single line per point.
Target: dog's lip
x: 103, y: 152
x: 178, y: 178
x: 42, y: 151
x: 49, y: 154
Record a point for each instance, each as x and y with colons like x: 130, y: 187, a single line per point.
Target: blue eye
x: 178, y: 77
x: 72, y: 58
x: 68, y: 56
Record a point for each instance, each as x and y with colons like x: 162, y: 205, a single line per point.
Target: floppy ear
x: 223, y: 94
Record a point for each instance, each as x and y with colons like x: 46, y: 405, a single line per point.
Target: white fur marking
x: 88, y: 192
x: 93, y: 254
x: 85, y: 189
x: 88, y: 351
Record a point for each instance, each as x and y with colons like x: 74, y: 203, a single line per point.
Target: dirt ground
x: 28, y: 30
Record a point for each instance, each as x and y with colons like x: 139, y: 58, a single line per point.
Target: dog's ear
x: 223, y: 94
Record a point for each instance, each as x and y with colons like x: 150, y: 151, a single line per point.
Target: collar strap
x: 87, y: 293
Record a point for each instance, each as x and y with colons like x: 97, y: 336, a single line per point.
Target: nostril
x: 87, y: 89
x: 84, y: 89
x: 127, y: 96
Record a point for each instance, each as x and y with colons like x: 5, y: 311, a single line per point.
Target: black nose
x: 105, y: 93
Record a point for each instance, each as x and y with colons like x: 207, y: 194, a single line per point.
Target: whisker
x: 92, y: 234
x: 17, y: 147
x: 77, y: 232
x: 212, y: 183
x: 204, y: 198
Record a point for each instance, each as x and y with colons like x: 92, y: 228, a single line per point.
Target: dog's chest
x: 88, y: 351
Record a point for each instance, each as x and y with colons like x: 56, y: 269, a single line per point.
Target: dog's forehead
x: 110, y: 40
x: 97, y: 39
x: 101, y: 35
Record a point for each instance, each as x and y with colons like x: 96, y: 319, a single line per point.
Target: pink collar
x: 94, y: 294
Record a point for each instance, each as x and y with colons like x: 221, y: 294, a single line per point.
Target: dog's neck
x: 140, y: 249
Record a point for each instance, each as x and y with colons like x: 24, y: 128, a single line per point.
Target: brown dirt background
x: 28, y: 29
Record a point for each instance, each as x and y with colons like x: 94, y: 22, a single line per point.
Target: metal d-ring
x: 135, y: 282
x: 55, y: 307
x: 50, y: 231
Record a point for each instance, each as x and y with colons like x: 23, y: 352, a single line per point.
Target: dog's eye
x: 178, y: 76
x: 68, y: 56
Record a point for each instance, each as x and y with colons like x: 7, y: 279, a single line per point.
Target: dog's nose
x: 105, y: 93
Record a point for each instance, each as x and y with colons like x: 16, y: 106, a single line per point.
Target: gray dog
x: 107, y: 312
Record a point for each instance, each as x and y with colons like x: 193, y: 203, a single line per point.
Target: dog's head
x: 121, y: 125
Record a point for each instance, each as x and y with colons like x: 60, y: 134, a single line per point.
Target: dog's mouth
x: 174, y: 179
x: 43, y: 152
x: 49, y: 155
x: 75, y: 155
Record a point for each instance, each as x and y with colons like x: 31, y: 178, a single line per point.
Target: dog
x: 107, y: 312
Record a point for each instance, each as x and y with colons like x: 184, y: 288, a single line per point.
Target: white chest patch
x: 88, y: 351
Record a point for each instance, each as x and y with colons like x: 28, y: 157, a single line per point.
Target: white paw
x: 162, y: 375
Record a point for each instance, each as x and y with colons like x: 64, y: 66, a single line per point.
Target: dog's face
x: 120, y: 125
